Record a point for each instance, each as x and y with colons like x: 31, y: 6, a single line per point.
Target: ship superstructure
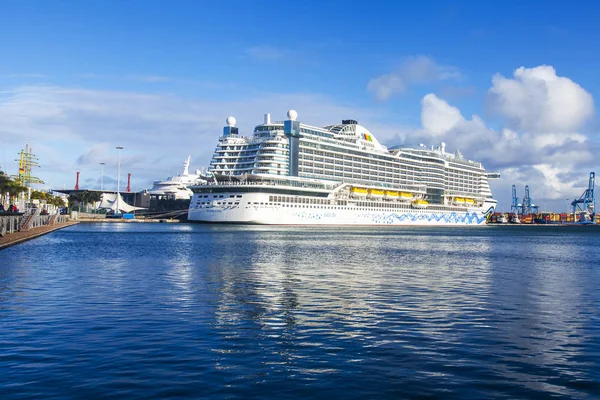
x: 177, y: 187
x: 288, y: 172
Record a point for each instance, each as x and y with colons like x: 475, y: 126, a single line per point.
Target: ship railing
x: 271, y: 183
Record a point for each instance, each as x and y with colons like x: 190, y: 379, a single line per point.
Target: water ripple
x: 198, y: 311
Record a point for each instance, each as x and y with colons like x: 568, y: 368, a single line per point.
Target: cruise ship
x: 291, y: 173
x: 177, y: 187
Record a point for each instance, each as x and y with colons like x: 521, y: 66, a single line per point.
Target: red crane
x: 77, y: 181
x: 128, y: 190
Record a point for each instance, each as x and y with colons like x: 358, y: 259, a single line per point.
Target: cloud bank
x: 537, y: 100
x: 539, y: 142
x: 75, y: 129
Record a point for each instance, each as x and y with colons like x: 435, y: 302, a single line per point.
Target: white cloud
x: 437, y: 116
x: 415, y: 70
x: 75, y: 129
x: 552, y: 163
x: 538, y: 100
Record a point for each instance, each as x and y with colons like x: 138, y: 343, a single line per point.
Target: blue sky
x: 80, y: 77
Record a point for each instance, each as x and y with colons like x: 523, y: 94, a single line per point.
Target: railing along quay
x: 27, y: 221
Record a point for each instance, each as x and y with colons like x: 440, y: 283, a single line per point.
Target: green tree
x: 57, y: 201
x: 39, y: 195
x: 74, y: 201
x: 83, y: 199
x: 12, y: 187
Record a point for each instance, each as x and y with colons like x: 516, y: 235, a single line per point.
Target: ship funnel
x: 267, y: 118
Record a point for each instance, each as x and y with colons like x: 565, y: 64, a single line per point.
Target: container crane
x: 528, y: 207
x: 515, y: 206
x: 586, y: 203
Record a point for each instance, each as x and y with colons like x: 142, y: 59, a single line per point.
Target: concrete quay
x: 14, y: 238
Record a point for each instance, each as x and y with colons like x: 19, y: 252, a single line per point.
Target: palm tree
x: 74, y: 200
x: 57, y: 201
x: 94, y: 197
x: 86, y: 198
x: 10, y: 186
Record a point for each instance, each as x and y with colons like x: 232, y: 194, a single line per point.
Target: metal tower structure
x: 515, y: 207
x: 27, y: 160
x: 77, y: 182
x: 128, y: 190
x: 528, y: 207
x: 586, y: 203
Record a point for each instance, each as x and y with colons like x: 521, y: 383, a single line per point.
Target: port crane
x: 528, y: 207
x: 515, y: 206
x: 586, y: 203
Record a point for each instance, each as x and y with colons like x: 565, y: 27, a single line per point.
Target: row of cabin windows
x: 369, y: 159
x: 219, y: 196
x: 218, y: 203
x: 301, y: 200
x: 360, y: 206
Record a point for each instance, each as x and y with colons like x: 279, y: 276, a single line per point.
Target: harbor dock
x: 18, y: 229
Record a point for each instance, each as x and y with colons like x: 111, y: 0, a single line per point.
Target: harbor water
x: 143, y: 311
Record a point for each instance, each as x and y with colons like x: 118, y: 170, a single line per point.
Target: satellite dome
x: 230, y: 121
x: 292, y: 114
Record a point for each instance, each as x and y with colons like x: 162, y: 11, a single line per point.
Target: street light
x: 102, y: 177
x: 118, y: 210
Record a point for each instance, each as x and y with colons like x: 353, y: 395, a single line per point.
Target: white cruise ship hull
x: 246, y: 212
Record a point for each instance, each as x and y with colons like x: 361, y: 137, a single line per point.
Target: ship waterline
x: 290, y: 173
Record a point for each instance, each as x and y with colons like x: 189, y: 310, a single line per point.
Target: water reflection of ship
x: 289, y: 297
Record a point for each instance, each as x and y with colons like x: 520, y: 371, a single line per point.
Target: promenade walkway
x: 14, y: 238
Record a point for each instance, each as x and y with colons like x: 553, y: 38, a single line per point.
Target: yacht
x: 177, y: 187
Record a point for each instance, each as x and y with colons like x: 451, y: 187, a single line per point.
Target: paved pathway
x: 18, y: 237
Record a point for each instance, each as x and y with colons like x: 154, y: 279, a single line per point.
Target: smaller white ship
x: 176, y: 187
x: 515, y: 219
x: 502, y: 219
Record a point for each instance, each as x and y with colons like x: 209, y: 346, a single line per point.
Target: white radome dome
x: 292, y: 115
x: 230, y: 121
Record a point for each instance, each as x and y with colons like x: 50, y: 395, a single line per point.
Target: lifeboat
x: 359, y: 192
x: 376, y: 193
x: 459, y: 200
x: 469, y: 201
x: 405, y: 196
x: 390, y: 194
x: 420, y: 203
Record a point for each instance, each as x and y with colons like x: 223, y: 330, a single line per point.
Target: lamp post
x: 118, y: 210
x: 102, y: 177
